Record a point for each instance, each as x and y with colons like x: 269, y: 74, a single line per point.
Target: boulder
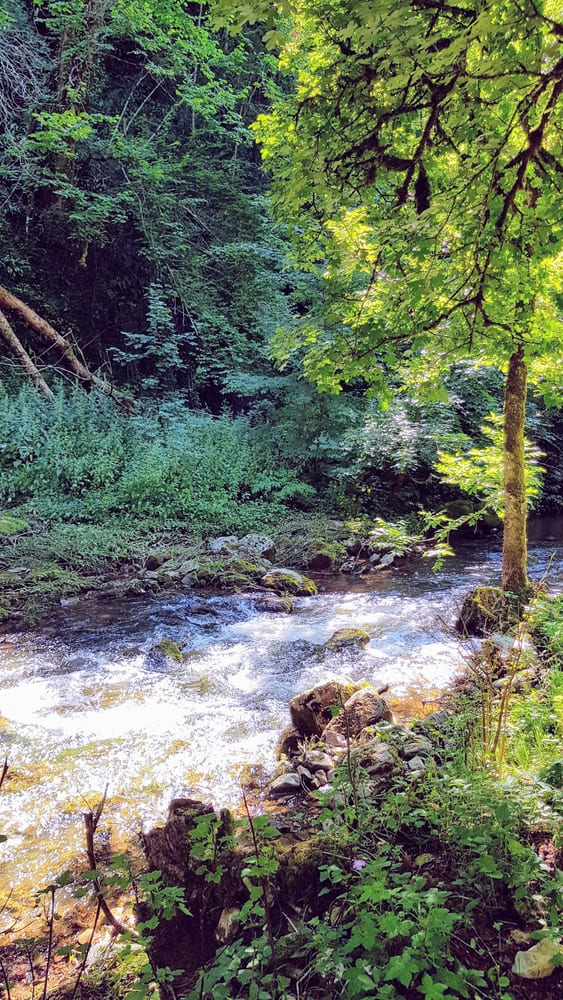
x: 538, y: 962
x: 225, y: 545
x: 274, y: 603
x: 324, y: 554
x: 416, y: 748
x: 346, y: 638
x: 311, y: 711
x: 286, y: 784
x: 289, y: 742
x: 486, y: 610
x: 156, y: 560
x: 288, y: 581
x: 363, y: 708
x: 317, y: 760
x: 375, y: 757
x: 257, y: 547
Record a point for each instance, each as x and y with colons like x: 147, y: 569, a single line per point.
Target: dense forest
x: 292, y: 271
x: 137, y: 224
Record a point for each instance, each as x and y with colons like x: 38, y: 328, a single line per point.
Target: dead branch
x: 91, y: 820
x: 50, y: 336
x: 17, y: 348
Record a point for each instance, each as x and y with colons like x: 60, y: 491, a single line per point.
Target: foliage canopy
x: 422, y: 145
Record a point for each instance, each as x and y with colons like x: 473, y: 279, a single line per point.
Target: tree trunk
x: 23, y: 357
x: 514, y: 551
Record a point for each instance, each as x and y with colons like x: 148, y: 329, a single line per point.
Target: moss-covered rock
x: 288, y: 581
x: 325, y: 554
x: 229, y: 573
x: 12, y: 525
x: 274, y: 603
x: 346, y: 638
x: 486, y: 610
x: 163, y: 654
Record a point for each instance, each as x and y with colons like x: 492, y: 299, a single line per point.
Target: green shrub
x: 83, y: 460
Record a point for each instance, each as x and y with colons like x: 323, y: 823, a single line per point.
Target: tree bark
x: 23, y: 357
x: 514, y: 551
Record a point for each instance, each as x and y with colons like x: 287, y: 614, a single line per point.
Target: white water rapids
x: 81, y: 707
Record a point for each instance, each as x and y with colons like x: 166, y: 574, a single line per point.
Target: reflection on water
x: 82, y: 706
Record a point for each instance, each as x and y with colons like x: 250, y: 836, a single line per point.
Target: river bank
x: 425, y: 860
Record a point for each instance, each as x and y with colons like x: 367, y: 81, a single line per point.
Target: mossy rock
x: 171, y: 649
x: 274, y: 603
x: 229, y: 573
x: 288, y: 581
x: 325, y: 555
x: 486, y: 610
x: 347, y: 638
x: 163, y: 653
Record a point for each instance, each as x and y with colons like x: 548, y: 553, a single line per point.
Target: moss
x: 28, y: 597
x: 12, y: 525
x: 486, y: 610
x: 289, y: 582
x: 344, y: 638
x: 325, y: 554
x: 170, y: 649
x: 227, y: 573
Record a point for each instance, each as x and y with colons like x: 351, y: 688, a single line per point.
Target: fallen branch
x: 50, y: 336
x: 23, y: 357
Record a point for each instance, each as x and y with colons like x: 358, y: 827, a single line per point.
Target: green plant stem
x: 264, y: 885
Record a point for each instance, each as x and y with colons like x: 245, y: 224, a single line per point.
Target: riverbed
x: 84, y: 706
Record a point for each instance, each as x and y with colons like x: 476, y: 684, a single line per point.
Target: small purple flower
x: 358, y: 864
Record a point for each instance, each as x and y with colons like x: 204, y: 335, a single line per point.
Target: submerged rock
x: 346, y: 638
x: 163, y: 654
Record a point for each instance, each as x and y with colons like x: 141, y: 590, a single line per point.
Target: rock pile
x: 337, y: 725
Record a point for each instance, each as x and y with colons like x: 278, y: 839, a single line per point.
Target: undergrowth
x: 83, y: 461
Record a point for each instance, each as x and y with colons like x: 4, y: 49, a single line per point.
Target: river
x: 82, y: 707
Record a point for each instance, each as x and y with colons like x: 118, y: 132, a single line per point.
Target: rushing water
x: 82, y: 707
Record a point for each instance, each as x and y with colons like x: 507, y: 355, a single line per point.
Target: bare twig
x: 91, y: 820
